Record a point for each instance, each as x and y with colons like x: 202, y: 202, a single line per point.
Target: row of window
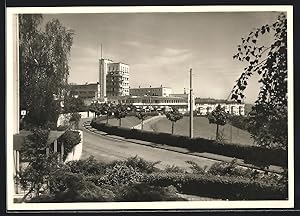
x: 116, y: 68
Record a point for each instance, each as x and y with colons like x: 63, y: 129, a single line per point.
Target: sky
x: 160, y: 48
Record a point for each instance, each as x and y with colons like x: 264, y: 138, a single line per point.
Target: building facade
x: 202, y: 106
x: 117, y: 79
x: 113, y: 78
x: 205, y: 106
x: 156, y: 91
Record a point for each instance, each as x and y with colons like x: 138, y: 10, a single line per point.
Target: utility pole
x: 191, y: 104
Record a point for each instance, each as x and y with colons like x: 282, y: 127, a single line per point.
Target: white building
x: 156, y: 91
x: 205, y: 106
x: 113, y: 78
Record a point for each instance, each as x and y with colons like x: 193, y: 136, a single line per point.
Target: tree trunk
x: 217, y: 132
x: 106, y: 119
x: 120, y: 123
x: 142, y: 126
x: 172, y: 127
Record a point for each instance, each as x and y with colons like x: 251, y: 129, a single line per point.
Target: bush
x: 120, y: 174
x: 141, y: 165
x: 222, y: 187
x: 196, y: 168
x: 69, y: 139
x: 174, y: 169
x: 259, y: 156
x: 89, y: 166
x: 71, y: 187
x: 145, y: 193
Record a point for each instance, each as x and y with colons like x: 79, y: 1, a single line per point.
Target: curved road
x: 105, y: 148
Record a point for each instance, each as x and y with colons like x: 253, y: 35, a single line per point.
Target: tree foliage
x: 141, y: 116
x: 44, y: 69
x: 174, y: 115
x: 73, y: 105
x: 69, y: 139
x: 219, y: 117
x: 36, y: 174
x: 268, y: 118
x: 120, y: 111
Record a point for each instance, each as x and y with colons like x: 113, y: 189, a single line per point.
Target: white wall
x: 63, y: 119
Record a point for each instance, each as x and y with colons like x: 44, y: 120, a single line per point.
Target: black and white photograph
x: 150, y: 107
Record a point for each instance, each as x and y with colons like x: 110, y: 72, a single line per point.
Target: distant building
x: 156, y: 91
x: 206, y: 105
x: 113, y: 78
x: 87, y: 92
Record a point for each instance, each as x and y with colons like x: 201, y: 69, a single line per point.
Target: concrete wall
x: 63, y: 119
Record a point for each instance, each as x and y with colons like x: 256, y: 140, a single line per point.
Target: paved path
x: 148, y: 123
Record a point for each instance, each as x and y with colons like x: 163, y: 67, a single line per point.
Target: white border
x: 147, y: 205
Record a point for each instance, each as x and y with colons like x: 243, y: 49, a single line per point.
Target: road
x: 105, y: 148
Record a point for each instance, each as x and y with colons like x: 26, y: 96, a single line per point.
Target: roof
x: 19, y: 139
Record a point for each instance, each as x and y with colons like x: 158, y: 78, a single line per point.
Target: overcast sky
x: 160, y: 48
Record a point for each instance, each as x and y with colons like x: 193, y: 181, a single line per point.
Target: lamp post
x: 191, y: 104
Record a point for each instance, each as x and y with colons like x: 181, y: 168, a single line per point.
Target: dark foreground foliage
x: 138, y: 180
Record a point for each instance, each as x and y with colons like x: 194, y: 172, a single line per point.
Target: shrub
x: 174, y: 169
x: 145, y: 193
x: 89, y: 166
x: 196, y: 168
x: 223, y: 187
x: 69, y: 140
x: 141, y: 165
x: 71, y: 187
x: 119, y: 174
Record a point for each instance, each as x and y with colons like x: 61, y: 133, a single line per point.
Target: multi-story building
x: 156, y: 91
x: 117, y: 79
x: 113, y: 78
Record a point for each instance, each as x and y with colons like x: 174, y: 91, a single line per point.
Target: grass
x: 203, y: 129
x: 128, y: 121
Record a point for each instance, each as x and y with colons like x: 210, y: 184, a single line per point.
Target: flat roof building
x: 151, y: 91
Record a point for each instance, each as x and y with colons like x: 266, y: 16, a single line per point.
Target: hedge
x: 223, y: 187
x: 250, y: 154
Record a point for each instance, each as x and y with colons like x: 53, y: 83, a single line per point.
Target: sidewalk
x: 221, y: 158
x: 145, y: 123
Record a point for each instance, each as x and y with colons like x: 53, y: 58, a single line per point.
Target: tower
x: 103, y: 68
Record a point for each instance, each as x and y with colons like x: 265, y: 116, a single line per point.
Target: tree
x: 93, y: 109
x: 44, y: 56
x: 268, y: 118
x: 73, y: 105
x: 107, y: 110
x: 141, y: 116
x: 174, y: 115
x: 36, y: 174
x: 120, y: 112
x: 75, y: 117
x: 218, y: 116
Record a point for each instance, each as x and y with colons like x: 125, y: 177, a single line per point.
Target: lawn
x: 203, y: 129
x: 128, y: 121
